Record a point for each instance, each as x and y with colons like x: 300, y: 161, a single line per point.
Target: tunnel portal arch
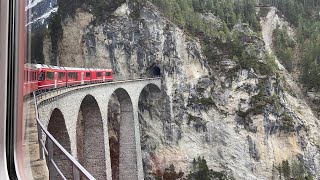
x: 154, y: 70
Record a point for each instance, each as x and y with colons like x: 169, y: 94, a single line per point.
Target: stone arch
x: 126, y: 165
x: 151, y: 90
x: 151, y: 105
x: 58, y: 130
x: 90, y: 138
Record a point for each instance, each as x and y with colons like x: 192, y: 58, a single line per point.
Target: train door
x: 55, y: 79
x: 82, y: 77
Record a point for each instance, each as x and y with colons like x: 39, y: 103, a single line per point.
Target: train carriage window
x: 25, y: 76
x: 34, y: 76
x: 50, y: 75
x: 88, y: 74
x: 41, y: 76
x: 99, y: 74
x: 31, y: 76
x: 108, y: 73
x: 72, y: 75
x: 61, y: 75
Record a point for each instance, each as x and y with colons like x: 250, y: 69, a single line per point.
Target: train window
x: 30, y: 76
x: 41, y: 76
x: 50, y: 75
x: 99, y: 74
x: 34, y: 76
x: 25, y: 76
x: 108, y: 73
x: 88, y: 74
x: 72, y: 75
x: 61, y: 75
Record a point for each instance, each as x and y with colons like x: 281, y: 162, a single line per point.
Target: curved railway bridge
x: 76, y: 118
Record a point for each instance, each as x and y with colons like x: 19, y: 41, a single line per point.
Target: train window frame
x: 34, y: 76
x: 61, y: 77
x: 7, y: 135
x: 11, y: 72
x: 72, y: 75
x: 98, y: 74
x: 25, y: 76
x: 41, y: 76
x: 49, y: 75
x: 88, y: 74
x: 108, y: 73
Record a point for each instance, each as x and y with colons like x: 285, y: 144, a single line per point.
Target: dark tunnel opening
x: 156, y: 71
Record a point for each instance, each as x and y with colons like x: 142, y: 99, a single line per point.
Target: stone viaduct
x: 78, y: 119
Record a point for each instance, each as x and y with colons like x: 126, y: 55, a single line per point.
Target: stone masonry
x: 85, y: 112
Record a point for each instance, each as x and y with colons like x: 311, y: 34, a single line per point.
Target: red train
x: 41, y: 76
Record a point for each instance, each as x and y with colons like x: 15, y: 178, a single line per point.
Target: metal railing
x: 53, y: 168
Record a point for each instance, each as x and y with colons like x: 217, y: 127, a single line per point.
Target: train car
x: 108, y: 75
x: 86, y: 76
x: 50, y: 76
x: 45, y: 77
x: 101, y: 75
x: 73, y: 76
x: 30, y: 79
x: 97, y: 75
x: 77, y: 76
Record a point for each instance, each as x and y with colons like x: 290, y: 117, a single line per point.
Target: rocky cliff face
x: 242, y: 122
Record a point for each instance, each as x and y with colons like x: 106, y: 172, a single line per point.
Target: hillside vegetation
x: 198, y: 18
x: 304, y: 16
x: 187, y: 13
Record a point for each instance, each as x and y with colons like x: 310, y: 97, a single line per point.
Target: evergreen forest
x: 303, y: 15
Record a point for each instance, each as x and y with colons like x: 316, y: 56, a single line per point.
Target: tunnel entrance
x: 58, y: 130
x: 156, y: 71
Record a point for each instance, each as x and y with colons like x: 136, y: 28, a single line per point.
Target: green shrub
x: 200, y: 171
x: 283, y: 45
x: 263, y: 12
x: 198, y: 123
x: 296, y: 170
x: 168, y: 174
x: 287, y: 123
x: 202, y: 101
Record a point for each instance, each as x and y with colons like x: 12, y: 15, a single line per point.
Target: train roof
x: 38, y: 66
x: 30, y: 66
